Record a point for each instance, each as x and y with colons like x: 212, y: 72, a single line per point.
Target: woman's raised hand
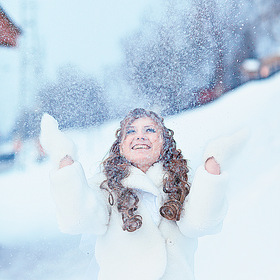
x: 56, y: 144
x: 212, y: 166
x: 222, y: 150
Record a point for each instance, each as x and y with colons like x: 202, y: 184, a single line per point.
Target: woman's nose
x: 141, y: 136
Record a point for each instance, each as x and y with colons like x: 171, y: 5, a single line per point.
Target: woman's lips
x: 140, y: 146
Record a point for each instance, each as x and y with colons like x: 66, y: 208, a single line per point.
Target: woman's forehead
x: 144, y: 121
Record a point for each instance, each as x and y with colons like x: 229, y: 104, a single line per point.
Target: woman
x: 141, y: 207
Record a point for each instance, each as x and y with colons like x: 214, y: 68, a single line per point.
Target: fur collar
x: 151, y: 181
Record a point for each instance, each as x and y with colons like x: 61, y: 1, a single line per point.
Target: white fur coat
x: 160, y: 249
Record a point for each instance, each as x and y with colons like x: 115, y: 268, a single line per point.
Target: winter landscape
x: 32, y: 247
x: 247, y: 247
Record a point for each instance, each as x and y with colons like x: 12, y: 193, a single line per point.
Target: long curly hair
x: 175, y: 179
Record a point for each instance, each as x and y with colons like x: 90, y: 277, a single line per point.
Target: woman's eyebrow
x: 130, y: 127
x: 150, y: 125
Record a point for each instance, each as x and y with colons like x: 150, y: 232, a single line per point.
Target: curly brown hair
x: 175, y: 180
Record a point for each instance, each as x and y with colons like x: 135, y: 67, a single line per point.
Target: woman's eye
x: 151, y: 130
x: 129, y: 131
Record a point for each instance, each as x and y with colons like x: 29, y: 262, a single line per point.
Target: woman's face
x: 142, y: 143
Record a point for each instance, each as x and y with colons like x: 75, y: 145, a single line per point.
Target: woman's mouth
x: 140, y: 147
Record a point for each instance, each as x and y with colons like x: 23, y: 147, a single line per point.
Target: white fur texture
x: 56, y: 144
x: 78, y: 208
x: 160, y: 249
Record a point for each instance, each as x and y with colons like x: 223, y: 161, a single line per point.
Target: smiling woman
x: 142, y: 143
x: 141, y: 205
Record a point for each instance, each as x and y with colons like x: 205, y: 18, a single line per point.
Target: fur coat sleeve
x: 79, y: 208
x: 206, y: 204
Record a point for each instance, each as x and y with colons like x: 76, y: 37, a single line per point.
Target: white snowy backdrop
x: 31, y: 247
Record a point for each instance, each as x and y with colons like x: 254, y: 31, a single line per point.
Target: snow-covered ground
x: 31, y: 247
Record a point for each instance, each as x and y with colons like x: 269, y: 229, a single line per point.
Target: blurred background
x: 90, y: 61
x: 87, y: 63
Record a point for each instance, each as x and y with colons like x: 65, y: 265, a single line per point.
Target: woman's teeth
x: 140, y: 146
